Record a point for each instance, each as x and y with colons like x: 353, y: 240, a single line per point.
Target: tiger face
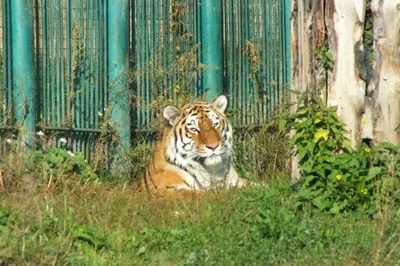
x: 201, y: 132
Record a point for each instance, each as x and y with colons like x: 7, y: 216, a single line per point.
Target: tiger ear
x: 171, y: 113
x: 221, y: 103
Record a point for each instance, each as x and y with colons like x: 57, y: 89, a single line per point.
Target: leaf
x: 309, y: 179
x: 304, y: 194
x: 338, y: 207
x: 373, y: 172
x: 322, y: 202
x: 282, y: 124
x: 329, y: 56
x: 302, y: 111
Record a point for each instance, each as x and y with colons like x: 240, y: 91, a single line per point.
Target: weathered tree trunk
x: 308, y: 34
x: 336, y: 24
x: 307, y: 31
x: 386, y: 78
x: 346, y: 83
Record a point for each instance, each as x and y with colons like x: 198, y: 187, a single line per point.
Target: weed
x: 112, y: 225
x: 325, y: 56
x: 336, y: 176
x: 260, y: 153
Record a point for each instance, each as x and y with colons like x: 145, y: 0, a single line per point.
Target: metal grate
x: 71, y: 67
x: 72, y: 70
x: 257, y: 58
x: 6, y: 73
x: 165, y: 48
x: 256, y: 42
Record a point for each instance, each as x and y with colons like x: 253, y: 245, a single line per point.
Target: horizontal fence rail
x: 167, y: 51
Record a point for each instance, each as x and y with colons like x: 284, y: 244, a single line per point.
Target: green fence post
x: 22, y: 68
x: 118, y: 55
x: 212, y: 48
x: 287, y: 29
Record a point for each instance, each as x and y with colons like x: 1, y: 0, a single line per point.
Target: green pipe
x: 22, y: 67
x: 212, y: 48
x: 118, y: 55
x: 287, y: 30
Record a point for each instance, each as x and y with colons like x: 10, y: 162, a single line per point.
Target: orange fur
x: 161, y: 174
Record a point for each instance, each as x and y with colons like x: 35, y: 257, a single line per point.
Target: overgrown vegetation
x: 336, y: 176
x: 108, y: 223
x: 343, y: 211
x: 261, y: 153
x: 56, y: 208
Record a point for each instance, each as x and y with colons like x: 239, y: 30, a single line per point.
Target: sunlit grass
x: 111, y: 223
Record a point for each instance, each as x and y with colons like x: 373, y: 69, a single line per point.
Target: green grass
x: 108, y: 223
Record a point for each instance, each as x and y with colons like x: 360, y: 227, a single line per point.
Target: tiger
x: 194, y: 153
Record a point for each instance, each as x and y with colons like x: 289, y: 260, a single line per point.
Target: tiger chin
x: 195, y: 151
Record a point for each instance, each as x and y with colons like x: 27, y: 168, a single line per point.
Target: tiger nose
x: 212, y: 146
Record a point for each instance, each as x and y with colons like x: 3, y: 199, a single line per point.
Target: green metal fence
x: 71, y: 69
x: 257, y: 60
x: 178, y: 50
x: 165, y: 49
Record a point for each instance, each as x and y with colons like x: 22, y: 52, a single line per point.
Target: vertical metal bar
x: 146, y: 60
x: 139, y: 62
x: 52, y: 65
x: 86, y: 77
x: 167, y: 48
x: 104, y: 56
x: 280, y: 30
x: 68, y: 56
x: 212, y: 47
x: 287, y: 29
x: 81, y: 65
x: 248, y: 93
x: 275, y: 56
x: 271, y: 57
x: 22, y: 67
x: 3, y: 89
x: 44, y: 77
x: 97, y: 53
x: 233, y: 80
x: 118, y: 45
x: 64, y: 90
x: 136, y: 57
x: 37, y: 61
x: 9, y: 61
x: 240, y: 86
x: 151, y: 62
x: 57, y: 50
x: 91, y: 88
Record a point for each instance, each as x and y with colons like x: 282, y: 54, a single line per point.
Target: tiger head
x: 200, y: 131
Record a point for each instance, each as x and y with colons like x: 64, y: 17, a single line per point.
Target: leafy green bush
x: 336, y: 176
x: 63, y: 162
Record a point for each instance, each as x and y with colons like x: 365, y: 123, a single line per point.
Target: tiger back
x: 195, y: 151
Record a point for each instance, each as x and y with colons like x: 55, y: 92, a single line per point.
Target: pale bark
x: 308, y: 34
x: 386, y: 93
x: 346, y: 85
x: 307, y: 31
x: 372, y: 113
x: 339, y: 24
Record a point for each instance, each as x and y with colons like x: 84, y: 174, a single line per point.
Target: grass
x: 52, y: 214
x: 109, y: 223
